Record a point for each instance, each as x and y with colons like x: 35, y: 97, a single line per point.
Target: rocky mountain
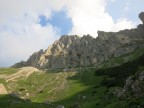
x: 74, y: 51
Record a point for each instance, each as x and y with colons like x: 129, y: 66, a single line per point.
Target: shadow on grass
x: 90, y: 97
x: 85, y: 89
x: 6, y: 101
x: 82, y: 90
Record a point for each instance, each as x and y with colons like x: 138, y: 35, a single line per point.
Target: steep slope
x: 125, y: 84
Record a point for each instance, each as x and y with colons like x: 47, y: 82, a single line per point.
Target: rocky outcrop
x: 20, y: 64
x: 141, y: 16
x: 32, y: 61
x: 133, y: 87
x: 74, y: 51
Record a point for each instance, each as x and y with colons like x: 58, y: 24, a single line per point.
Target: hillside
x: 77, y: 87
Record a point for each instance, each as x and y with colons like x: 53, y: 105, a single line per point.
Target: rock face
x: 74, y: 51
x: 32, y: 61
x: 134, y: 85
x: 141, y: 16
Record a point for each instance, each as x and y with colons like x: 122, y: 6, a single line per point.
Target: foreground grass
x: 60, y: 87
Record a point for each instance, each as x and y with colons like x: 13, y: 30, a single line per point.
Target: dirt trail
x: 3, y: 89
x: 23, y: 72
x: 3, y: 76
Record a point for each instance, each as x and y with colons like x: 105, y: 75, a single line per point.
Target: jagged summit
x: 141, y: 16
x: 74, y: 51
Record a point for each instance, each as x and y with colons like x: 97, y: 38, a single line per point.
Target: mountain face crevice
x: 74, y: 51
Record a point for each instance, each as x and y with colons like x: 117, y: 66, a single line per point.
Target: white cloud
x: 21, y: 35
x: 20, y: 43
x: 20, y: 32
x: 122, y: 24
x: 88, y: 16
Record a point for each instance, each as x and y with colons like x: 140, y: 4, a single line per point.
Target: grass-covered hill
x: 86, y: 87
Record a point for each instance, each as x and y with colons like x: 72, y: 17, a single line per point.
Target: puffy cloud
x: 122, y: 24
x: 90, y: 16
x: 19, y: 43
x: 20, y: 32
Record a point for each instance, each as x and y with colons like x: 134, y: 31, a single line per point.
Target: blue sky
x: 125, y: 8
x: 59, y: 19
x: 27, y: 26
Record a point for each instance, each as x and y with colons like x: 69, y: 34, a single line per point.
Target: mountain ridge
x: 74, y: 51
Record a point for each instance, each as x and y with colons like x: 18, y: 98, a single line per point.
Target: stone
x: 60, y: 106
x: 128, y: 84
x: 14, y: 94
x: 121, y: 95
x: 136, y: 89
x: 141, y: 76
x: 119, y: 92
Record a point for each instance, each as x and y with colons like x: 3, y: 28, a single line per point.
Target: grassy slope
x: 120, y: 60
x: 117, y: 75
x: 8, y: 70
x: 66, y: 88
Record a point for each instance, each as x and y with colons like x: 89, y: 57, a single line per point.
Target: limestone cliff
x: 75, y: 51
